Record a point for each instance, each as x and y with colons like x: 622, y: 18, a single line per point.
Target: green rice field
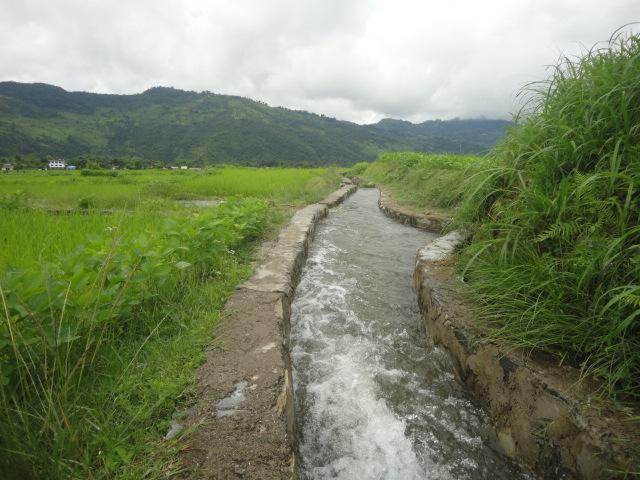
x: 129, y: 188
x: 111, y: 286
x: 36, y: 225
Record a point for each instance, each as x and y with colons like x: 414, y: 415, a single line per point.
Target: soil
x: 251, y: 442
x: 241, y: 423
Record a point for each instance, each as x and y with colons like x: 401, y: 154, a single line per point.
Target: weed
x: 62, y: 326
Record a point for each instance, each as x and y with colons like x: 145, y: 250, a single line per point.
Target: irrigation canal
x: 374, y: 398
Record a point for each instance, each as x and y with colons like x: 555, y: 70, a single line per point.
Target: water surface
x: 374, y: 398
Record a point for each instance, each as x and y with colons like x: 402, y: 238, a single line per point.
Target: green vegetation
x: 134, y: 202
x: 168, y: 126
x: 131, y: 188
x: 554, y: 217
x: 555, y: 253
x: 421, y: 180
x: 31, y: 236
x: 104, y: 316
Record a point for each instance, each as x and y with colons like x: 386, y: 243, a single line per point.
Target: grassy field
x: 104, y: 315
x: 136, y: 201
x: 554, y: 217
x: 33, y: 236
x: 130, y: 188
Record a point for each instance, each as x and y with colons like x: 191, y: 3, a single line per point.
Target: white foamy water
x: 374, y: 398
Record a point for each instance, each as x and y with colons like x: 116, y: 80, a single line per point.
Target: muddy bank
x: 242, y: 420
x: 544, y: 415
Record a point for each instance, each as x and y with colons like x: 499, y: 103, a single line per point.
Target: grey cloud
x: 357, y: 60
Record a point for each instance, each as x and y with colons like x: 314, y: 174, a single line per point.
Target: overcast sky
x: 351, y: 59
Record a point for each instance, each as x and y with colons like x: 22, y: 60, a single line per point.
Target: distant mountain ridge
x: 168, y: 125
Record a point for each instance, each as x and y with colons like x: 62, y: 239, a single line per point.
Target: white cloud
x: 357, y: 60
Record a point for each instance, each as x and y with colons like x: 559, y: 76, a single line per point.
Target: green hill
x: 166, y: 125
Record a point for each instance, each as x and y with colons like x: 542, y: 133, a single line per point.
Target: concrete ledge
x: 338, y: 196
x: 280, y: 271
x: 432, y: 222
x: 243, y: 418
x: 544, y: 415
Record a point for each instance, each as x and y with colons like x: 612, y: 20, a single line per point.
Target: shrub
x: 359, y: 168
x: 85, y: 203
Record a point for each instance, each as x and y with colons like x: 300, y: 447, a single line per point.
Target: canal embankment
x: 242, y: 422
x: 374, y: 397
x: 546, y: 415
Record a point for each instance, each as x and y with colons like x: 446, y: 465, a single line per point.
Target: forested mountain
x: 166, y: 125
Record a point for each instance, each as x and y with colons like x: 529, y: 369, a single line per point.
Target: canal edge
x: 545, y: 415
x: 248, y: 363
x: 430, y: 222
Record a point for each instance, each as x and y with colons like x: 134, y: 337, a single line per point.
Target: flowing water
x: 374, y: 398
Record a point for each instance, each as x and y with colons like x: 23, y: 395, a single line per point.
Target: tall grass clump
x: 359, y: 168
x: 555, y: 252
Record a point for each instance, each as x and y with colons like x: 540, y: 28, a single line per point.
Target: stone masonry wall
x: 545, y: 415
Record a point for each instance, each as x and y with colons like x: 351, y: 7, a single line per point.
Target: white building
x: 7, y: 167
x: 59, y: 163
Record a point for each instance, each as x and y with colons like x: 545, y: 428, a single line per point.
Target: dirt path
x: 243, y: 418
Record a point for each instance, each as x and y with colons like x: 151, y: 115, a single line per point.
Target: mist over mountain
x: 166, y: 126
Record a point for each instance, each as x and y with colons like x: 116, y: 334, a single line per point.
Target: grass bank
x: 554, y: 217
x: 427, y: 181
x: 99, y: 338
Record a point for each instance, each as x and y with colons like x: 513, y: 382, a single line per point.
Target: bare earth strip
x: 243, y: 418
